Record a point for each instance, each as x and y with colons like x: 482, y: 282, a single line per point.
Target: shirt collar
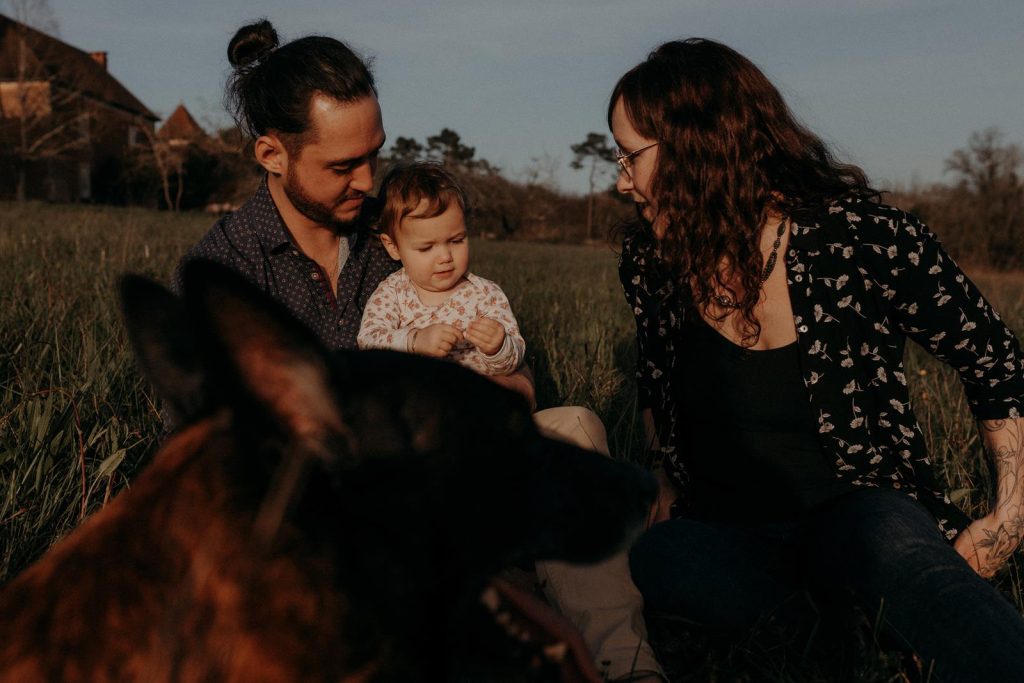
x: 261, y: 212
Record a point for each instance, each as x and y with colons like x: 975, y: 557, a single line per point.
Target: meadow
x: 77, y: 421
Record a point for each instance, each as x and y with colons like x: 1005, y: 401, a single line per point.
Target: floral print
x: 863, y: 277
x: 395, y: 310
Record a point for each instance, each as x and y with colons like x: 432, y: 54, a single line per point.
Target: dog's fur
x: 318, y: 517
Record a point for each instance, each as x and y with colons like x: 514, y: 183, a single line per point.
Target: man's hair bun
x: 271, y: 85
x: 251, y: 42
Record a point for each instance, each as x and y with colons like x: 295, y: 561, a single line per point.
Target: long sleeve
x: 382, y: 326
x: 653, y: 315
x: 630, y: 280
x: 936, y: 304
x: 219, y: 245
x: 509, y: 357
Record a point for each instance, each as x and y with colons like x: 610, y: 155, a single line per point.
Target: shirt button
x: 315, y: 275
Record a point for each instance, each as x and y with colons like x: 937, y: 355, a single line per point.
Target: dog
x: 316, y: 517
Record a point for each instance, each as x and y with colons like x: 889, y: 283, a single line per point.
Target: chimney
x: 100, y: 58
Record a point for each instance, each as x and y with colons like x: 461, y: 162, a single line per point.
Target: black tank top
x: 748, y: 431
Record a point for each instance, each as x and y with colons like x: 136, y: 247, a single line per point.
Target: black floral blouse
x: 862, y: 278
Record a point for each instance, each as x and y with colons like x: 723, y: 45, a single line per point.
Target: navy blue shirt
x: 255, y: 242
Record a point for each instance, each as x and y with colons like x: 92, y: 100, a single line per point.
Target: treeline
x: 978, y: 213
x: 979, y: 217
x: 531, y: 207
x: 218, y: 173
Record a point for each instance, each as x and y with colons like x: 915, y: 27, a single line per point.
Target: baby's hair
x: 406, y: 186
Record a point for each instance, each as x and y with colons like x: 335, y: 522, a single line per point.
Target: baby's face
x: 434, y: 251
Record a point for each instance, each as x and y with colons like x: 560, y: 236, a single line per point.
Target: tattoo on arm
x: 1004, y: 445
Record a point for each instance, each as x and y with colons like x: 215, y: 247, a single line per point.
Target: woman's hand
x: 989, y: 542
x: 661, y: 507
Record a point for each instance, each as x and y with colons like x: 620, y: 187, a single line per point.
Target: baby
x: 434, y: 306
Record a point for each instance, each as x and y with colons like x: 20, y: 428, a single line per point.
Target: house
x: 67, y: 127
x: 180, y: 129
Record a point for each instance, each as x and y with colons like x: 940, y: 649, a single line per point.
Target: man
x: 311, y: 109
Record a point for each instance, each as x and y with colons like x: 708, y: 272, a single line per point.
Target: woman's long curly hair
x: 731, y: 155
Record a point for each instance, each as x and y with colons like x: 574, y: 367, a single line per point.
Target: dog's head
x: 416, y: 480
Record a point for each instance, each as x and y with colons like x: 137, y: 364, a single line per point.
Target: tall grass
x: 77, y: 421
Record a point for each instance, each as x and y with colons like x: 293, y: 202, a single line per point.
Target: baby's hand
x: 486, y: 334
x: 436, y: 340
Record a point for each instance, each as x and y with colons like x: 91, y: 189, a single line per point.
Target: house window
x: 24, y: 99
x: 136, y: 136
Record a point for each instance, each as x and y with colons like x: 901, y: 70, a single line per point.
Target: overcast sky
x: 894, y: 85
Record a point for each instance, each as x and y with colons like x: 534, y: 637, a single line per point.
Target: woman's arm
x: 661, y: 509
x: 650, y: 436
x: 936, y: 304
x: 990, y: 541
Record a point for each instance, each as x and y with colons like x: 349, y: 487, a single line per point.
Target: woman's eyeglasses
x: 625, y: 161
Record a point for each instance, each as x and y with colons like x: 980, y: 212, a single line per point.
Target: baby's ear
x: 390, y: 245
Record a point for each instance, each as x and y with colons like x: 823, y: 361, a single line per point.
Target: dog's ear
x: 162, y: 338
x: 258, y: 353
x: 266, y: 365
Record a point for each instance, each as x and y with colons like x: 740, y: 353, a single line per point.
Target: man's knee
x: 575, y: 425
x: 664, y: 560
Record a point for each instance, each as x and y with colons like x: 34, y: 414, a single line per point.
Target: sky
x: 893, y: 85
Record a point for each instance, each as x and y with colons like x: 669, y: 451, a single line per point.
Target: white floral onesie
x: 395, y: 310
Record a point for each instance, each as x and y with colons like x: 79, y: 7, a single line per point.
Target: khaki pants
x: 600, y: 600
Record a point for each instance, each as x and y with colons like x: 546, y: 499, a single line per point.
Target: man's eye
x: 341, y: 170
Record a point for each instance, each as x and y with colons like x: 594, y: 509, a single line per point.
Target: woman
x: 773, y: 296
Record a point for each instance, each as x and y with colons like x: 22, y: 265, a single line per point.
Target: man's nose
x: 362, y: 176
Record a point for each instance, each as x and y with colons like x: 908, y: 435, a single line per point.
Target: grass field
x: 77, y: 421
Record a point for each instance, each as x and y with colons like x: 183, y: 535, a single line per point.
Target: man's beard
x: 318, y: 212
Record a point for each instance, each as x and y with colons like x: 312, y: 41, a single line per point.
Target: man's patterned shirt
x: 255, y: 242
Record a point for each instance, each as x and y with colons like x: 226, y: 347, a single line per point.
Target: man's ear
x: 390, y: 246
x: 271, y: 154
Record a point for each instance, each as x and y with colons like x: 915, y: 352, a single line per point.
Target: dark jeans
x: 880, y: 545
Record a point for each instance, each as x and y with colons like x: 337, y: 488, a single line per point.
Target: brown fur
x: 187, y: 599
x: 318, y: 518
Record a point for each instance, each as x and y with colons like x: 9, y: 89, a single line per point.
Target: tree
x: 405, y: 150
x: 34, y: 13
x: 595, y: 153
x: 447, y: 148
x: 542, y: 172
x: 989, y: 182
